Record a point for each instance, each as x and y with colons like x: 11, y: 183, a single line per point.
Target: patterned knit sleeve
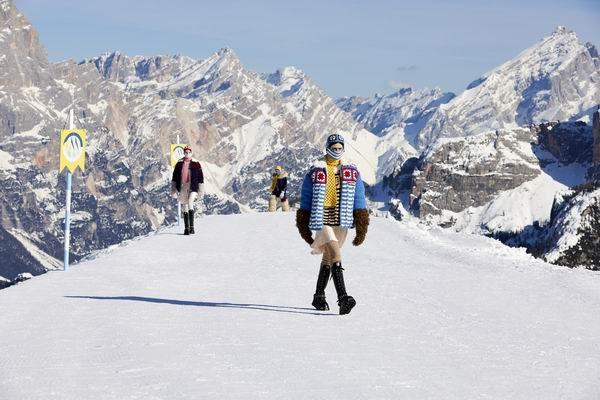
x: 307, y: 192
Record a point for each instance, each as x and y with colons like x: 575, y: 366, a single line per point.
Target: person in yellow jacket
x: 278, y: 190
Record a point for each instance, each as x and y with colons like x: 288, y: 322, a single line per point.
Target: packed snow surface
x: 226, y: 314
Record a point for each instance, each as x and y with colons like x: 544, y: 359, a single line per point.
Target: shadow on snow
x: 262, y: 307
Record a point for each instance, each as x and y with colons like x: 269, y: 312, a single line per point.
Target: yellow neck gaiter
x: 331, y: 194
x: 274, y: 182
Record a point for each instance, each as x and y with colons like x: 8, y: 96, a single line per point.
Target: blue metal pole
x: 67, y: 222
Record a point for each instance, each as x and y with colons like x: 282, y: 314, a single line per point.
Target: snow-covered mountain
x: 397, y: 119
x: 458, y: 173
x: 505, y: 184
x: 439, y: 316
x: 33, y: 106
x: 495, y: 156
x: 117, y: 198
x: 240, y: 124
x: 406, y: 110
x: 556, y: 79
x: 501, y: 182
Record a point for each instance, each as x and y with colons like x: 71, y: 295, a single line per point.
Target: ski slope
x: 226, y: 314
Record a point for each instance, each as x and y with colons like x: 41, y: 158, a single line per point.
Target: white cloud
x: 395, y: 84
x: 408, y: 68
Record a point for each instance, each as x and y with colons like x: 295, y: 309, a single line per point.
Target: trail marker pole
x: 68, y: 206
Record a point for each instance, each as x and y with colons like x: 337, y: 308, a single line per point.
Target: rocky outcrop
x: 468, y: 172
x: 596, y: 134
x: 568, y: 142
x: 571, y: 238
x: 4, y: 283
x: 497, y: 183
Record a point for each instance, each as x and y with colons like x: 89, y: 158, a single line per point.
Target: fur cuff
x: 361, y: 221
x: 302, y: 222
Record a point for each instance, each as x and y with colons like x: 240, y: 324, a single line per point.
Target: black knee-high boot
x: 191, y: 217
x: 319, y: 301
x: 186, y: 222
x: 345, y: 302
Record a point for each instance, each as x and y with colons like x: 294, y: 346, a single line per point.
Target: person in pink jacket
x: 186, y: 185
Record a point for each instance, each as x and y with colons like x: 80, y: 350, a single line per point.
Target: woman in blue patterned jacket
x: 332, y: 201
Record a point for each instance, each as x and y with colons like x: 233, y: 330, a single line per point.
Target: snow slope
x: 226, y: 314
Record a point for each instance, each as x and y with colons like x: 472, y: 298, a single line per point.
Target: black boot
x: 319, y: 301
x: 345, y: 302
x: 186, y: 222
x: 191, y: 217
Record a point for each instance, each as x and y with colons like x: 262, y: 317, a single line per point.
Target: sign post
x: 72, y: 155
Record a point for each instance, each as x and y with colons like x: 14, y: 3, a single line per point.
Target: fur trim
x: 319, y: 164
x: 302, y: 220
x: 361, y: 220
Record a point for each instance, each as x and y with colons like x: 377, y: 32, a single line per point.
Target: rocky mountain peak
x: 17, y: 32
x: 284, y: 74
x: 401, y: 92
x: 7, y: 10
x: 226, y: 52
x: 560, y: 42
x: 350, y: 103
x: 119, y: 67
x: 561, y: 30
x: 406, y: 109
x: 289, y: 80
x: 226, y: 58
x: 592, y: 50
x: 555, y: 79
x: 107, y: 64
x: 12, y: 23
x: 20, y: 50
x: 596, y: 134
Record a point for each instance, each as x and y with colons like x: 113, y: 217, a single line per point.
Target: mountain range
x: 408, y: 145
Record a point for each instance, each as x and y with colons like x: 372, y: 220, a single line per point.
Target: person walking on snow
x: 187, y: 184
x: 278, y: 190
x: 331, y: 202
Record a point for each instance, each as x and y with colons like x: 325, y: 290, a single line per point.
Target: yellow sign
x: 72, y: 149
x: 177, y: 153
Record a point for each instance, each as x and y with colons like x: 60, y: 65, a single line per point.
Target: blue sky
x: 348, y: 47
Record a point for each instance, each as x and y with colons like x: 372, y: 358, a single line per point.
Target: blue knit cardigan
x: 352, y: 194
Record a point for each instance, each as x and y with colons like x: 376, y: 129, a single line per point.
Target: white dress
x: 327, y: 234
